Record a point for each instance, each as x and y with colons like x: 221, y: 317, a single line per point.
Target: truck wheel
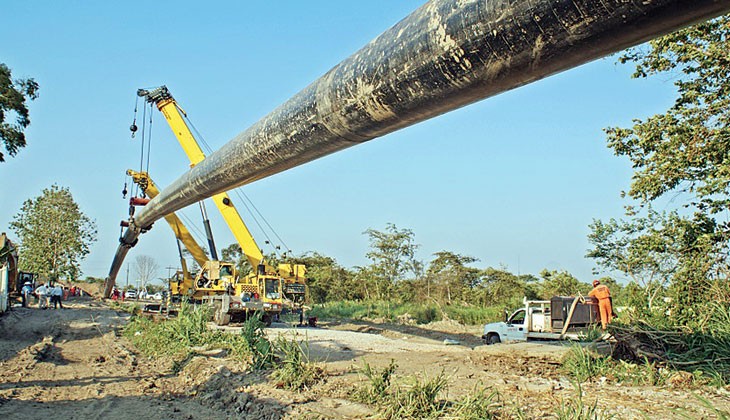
x: 493, y: 339
x: 266, y: 319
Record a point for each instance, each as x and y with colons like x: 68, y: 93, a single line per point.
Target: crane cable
x: 149, y: 140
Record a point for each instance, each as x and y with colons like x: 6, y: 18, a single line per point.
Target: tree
x: 561, y: 283
x: 640, y: 248
x: 55, y: 235
x: 233, y: 253
x: 499, y: 286
x: 327, y: 280
x: 13, y: 94
x: 683, y: 153
x: 146, y: 269
x: 687, y: 148
x: 449, y: 273
x: 393, y: 255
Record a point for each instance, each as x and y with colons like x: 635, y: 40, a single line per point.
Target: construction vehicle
x: 233, y: 296
x: 559, y: 318
x: 293, y: 275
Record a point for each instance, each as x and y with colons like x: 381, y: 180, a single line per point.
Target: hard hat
x: 596, y: 283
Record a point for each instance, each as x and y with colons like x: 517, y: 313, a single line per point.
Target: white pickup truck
x: 556, y: 319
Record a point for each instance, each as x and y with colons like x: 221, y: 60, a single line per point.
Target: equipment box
x: 583, y: 315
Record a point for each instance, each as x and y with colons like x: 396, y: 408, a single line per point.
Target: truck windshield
x: 272, y: 289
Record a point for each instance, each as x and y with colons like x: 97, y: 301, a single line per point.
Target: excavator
x: 234, y: 297
x: 293, y: 275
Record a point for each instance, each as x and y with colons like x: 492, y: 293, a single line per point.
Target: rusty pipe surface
x: 445, y: 55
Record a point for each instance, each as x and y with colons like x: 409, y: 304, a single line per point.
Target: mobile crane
x: 233, y: 297
x: 293, y: 275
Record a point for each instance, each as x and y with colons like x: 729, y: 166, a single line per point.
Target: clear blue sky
x: 513, y: 180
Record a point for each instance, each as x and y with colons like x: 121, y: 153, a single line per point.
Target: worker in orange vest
x: 602, y: 295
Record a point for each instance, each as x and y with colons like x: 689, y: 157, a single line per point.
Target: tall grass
x: 393, y: 311
x: 294, y: 370
x: 257, y: 344
x: 177, y: 336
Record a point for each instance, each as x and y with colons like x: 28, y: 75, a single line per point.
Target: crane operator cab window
x: 272, y: 288
x: 225, y: 271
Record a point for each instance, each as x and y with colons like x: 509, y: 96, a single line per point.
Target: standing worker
x: 26, y: 291
x: 42, y: 292
x: 602, y: 295
x: 56, y: 295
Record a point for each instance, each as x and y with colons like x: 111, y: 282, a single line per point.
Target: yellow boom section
x: 174, y: 116
x: 181, y: 232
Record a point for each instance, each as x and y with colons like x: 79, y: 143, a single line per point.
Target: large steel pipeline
x: 445, y: 55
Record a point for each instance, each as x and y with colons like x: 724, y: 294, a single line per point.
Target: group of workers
x: 47, y: 295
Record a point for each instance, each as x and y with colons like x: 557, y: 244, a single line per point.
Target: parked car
x: 157, y: 296
x: 130, y: 294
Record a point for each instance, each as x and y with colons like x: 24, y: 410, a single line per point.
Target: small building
x: 8, y: 271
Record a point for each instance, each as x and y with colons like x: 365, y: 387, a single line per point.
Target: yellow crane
x: 293, y: 275
x: 233, y: 296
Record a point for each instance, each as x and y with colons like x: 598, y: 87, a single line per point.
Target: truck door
x: 516, y: 329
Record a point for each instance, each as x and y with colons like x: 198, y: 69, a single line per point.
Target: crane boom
x: 174, y: 115
x: 178, y: 228
x: 445, y: 55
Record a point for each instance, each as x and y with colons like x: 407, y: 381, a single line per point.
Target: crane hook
x: 124, y: 191
x: 133, y: 129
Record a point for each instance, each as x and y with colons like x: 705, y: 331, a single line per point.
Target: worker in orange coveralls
x: 602, y: 295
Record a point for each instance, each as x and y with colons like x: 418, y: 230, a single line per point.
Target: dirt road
x: 73, y: 364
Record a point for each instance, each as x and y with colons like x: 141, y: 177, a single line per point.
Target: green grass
x: 420, y: 313
x: 575, y: 408
x: 584, y: 365
x: 177, y: 336
x: 131, y: 308
x: 294, y: 371
x: 378, y: 385
x: 421, y: 397
x: 257, y: 344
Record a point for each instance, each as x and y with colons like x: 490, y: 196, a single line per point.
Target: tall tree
x: 13, y: 96
x: 55, y: 235
x: 683, y: 153
x: 393, y: 255
x: 642, y: 248
x: 687, y: 148
x: 145, y: 269
x: 450, y: 274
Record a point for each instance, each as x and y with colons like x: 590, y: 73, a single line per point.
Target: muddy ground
x: 74, y: 364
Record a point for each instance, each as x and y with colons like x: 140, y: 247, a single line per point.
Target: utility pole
x: 127, y: 285
x: 168, y: 271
